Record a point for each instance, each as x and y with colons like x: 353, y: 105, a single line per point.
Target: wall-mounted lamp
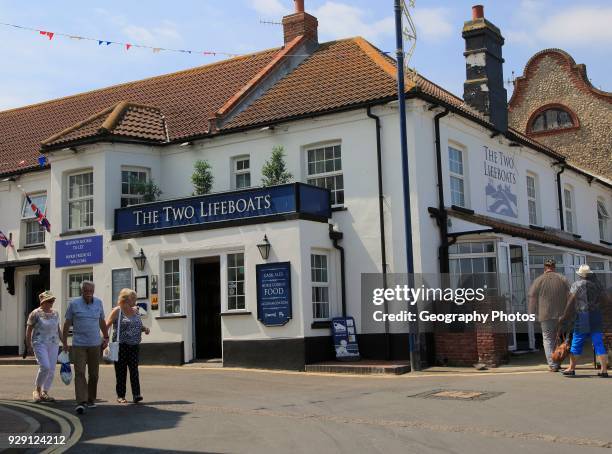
x: 264, y: 248
x: 140, y: 260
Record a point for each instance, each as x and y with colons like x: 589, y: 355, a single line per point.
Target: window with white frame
x: 80, y: 200
x: 242, y: 172
x: 235, y: 282
x: 325, y: 170
x: 602, y: 218
x: 473, y: 264
x: 532, y: 199
x: 33, y: 231
x: 130, y: 181
x: 75, y: 278
x: 172, y: 287
x: 319, y: 276
x: 570, y: 211
x: 457, y: 177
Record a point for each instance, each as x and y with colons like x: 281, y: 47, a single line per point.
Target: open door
x: 505, y: 288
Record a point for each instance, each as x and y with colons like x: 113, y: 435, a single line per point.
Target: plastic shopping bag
x: 65, y: 370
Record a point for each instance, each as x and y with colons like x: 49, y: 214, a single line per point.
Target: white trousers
x: 46, y: 355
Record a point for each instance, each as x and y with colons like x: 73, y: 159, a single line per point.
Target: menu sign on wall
x: 500, y: 169
x: 274, y: 293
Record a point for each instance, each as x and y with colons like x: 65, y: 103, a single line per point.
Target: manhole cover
x: 456, y: 394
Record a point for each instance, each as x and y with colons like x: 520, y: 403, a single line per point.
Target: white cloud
x: 340, y: 20
x: 578, y: 26
x: 433, y: 23
x: 270, y: 8
x: 157, y: 36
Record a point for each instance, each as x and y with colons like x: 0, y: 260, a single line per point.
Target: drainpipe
x: 381, y: 216
x: 336, y: 236
x: 560, y: 195
x: 442, y: 217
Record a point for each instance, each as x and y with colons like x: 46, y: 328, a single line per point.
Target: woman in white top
x: 43, y: 335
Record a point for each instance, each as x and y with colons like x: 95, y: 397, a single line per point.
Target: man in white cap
x: 587, y: 296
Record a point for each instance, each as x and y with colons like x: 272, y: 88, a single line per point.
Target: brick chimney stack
x: 484, y: 85
x: 300, y: 23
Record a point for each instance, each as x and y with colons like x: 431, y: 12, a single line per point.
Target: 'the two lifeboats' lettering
x: 204, y: 210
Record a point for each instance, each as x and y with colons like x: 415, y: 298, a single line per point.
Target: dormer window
x: 551, y: 119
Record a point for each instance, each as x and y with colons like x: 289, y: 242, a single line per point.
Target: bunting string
x: 49, y: 35
x: 127, y: 46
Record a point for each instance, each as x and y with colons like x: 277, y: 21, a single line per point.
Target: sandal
x: 122, y: 400
x: 36, y: 396
x: 569, y: 373
x: 603, y: 374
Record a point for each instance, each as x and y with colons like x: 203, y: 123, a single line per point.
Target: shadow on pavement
x: 113, y: 419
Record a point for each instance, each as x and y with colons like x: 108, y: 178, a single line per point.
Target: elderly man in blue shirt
x: 86, y: 316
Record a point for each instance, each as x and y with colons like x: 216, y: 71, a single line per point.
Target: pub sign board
x: 274, y: 293
x: 214, y: 210
x: 78, y: 251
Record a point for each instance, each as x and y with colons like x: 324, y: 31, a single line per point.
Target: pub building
x: 253, y: 275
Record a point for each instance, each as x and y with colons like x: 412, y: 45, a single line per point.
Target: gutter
x: 335, y: 237
x: 381, y: 216
x: 442, y: 216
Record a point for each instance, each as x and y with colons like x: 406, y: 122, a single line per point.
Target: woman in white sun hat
x: 43, y: 335
x: 587, y: 296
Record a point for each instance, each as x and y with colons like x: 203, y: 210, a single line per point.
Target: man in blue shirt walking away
x: 86, y: 316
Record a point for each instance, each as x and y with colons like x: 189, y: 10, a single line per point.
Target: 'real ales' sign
x: 224, y: 209
x: 500, y: 191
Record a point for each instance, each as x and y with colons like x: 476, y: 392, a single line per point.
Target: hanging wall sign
x: 274, y: 293
x: 78, y: 251
x: 344, y: 332
x: 500, y: 191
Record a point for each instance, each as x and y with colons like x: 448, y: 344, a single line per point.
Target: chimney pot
x: 477, y: 12
x: 299, y: 6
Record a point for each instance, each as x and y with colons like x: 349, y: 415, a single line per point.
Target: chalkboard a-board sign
x: 121, y: 278
x: 274, y: 293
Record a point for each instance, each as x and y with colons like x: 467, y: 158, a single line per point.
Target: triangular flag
x: 156, y: 50
x: 50, y: 35
x: 100, y: 42
x: 127, y: 46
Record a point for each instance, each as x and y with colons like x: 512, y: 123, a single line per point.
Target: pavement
x: 211, y: 409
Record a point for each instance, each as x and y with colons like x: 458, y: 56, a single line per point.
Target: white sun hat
x: 584, y: 271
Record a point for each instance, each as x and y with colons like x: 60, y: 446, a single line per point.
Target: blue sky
x: 36, y: 69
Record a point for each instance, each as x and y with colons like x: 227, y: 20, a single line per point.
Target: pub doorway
x: 35, y: 284
x: 207, y: 308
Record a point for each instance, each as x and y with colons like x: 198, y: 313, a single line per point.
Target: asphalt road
x: 191, y: 409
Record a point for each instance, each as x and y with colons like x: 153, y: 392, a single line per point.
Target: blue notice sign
x: 345, y: 338
x: 78, y: 251
x: 274, y: 293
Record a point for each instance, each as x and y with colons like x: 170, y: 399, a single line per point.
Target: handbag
x: 562, y: 349
x: 111, y: 352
